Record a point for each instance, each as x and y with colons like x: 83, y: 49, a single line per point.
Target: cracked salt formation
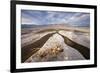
x: 78, y: 37
x: 28, y: 38
x: 55, y: 49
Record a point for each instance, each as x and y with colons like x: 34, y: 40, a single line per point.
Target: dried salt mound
x: 55, y: 50
x: 55, y: 40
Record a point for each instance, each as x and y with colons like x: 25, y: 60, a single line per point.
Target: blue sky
x: 37, y: 17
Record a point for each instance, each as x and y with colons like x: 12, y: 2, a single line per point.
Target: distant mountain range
x: 31, y: 26
x: 50, y: 25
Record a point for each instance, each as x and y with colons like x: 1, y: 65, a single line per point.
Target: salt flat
x: 56, y: 40
x: 55, y: 43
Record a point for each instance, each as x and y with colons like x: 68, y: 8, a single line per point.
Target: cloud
x: 79, y: 19
x: 53, y: 17
x: 28, y: 21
